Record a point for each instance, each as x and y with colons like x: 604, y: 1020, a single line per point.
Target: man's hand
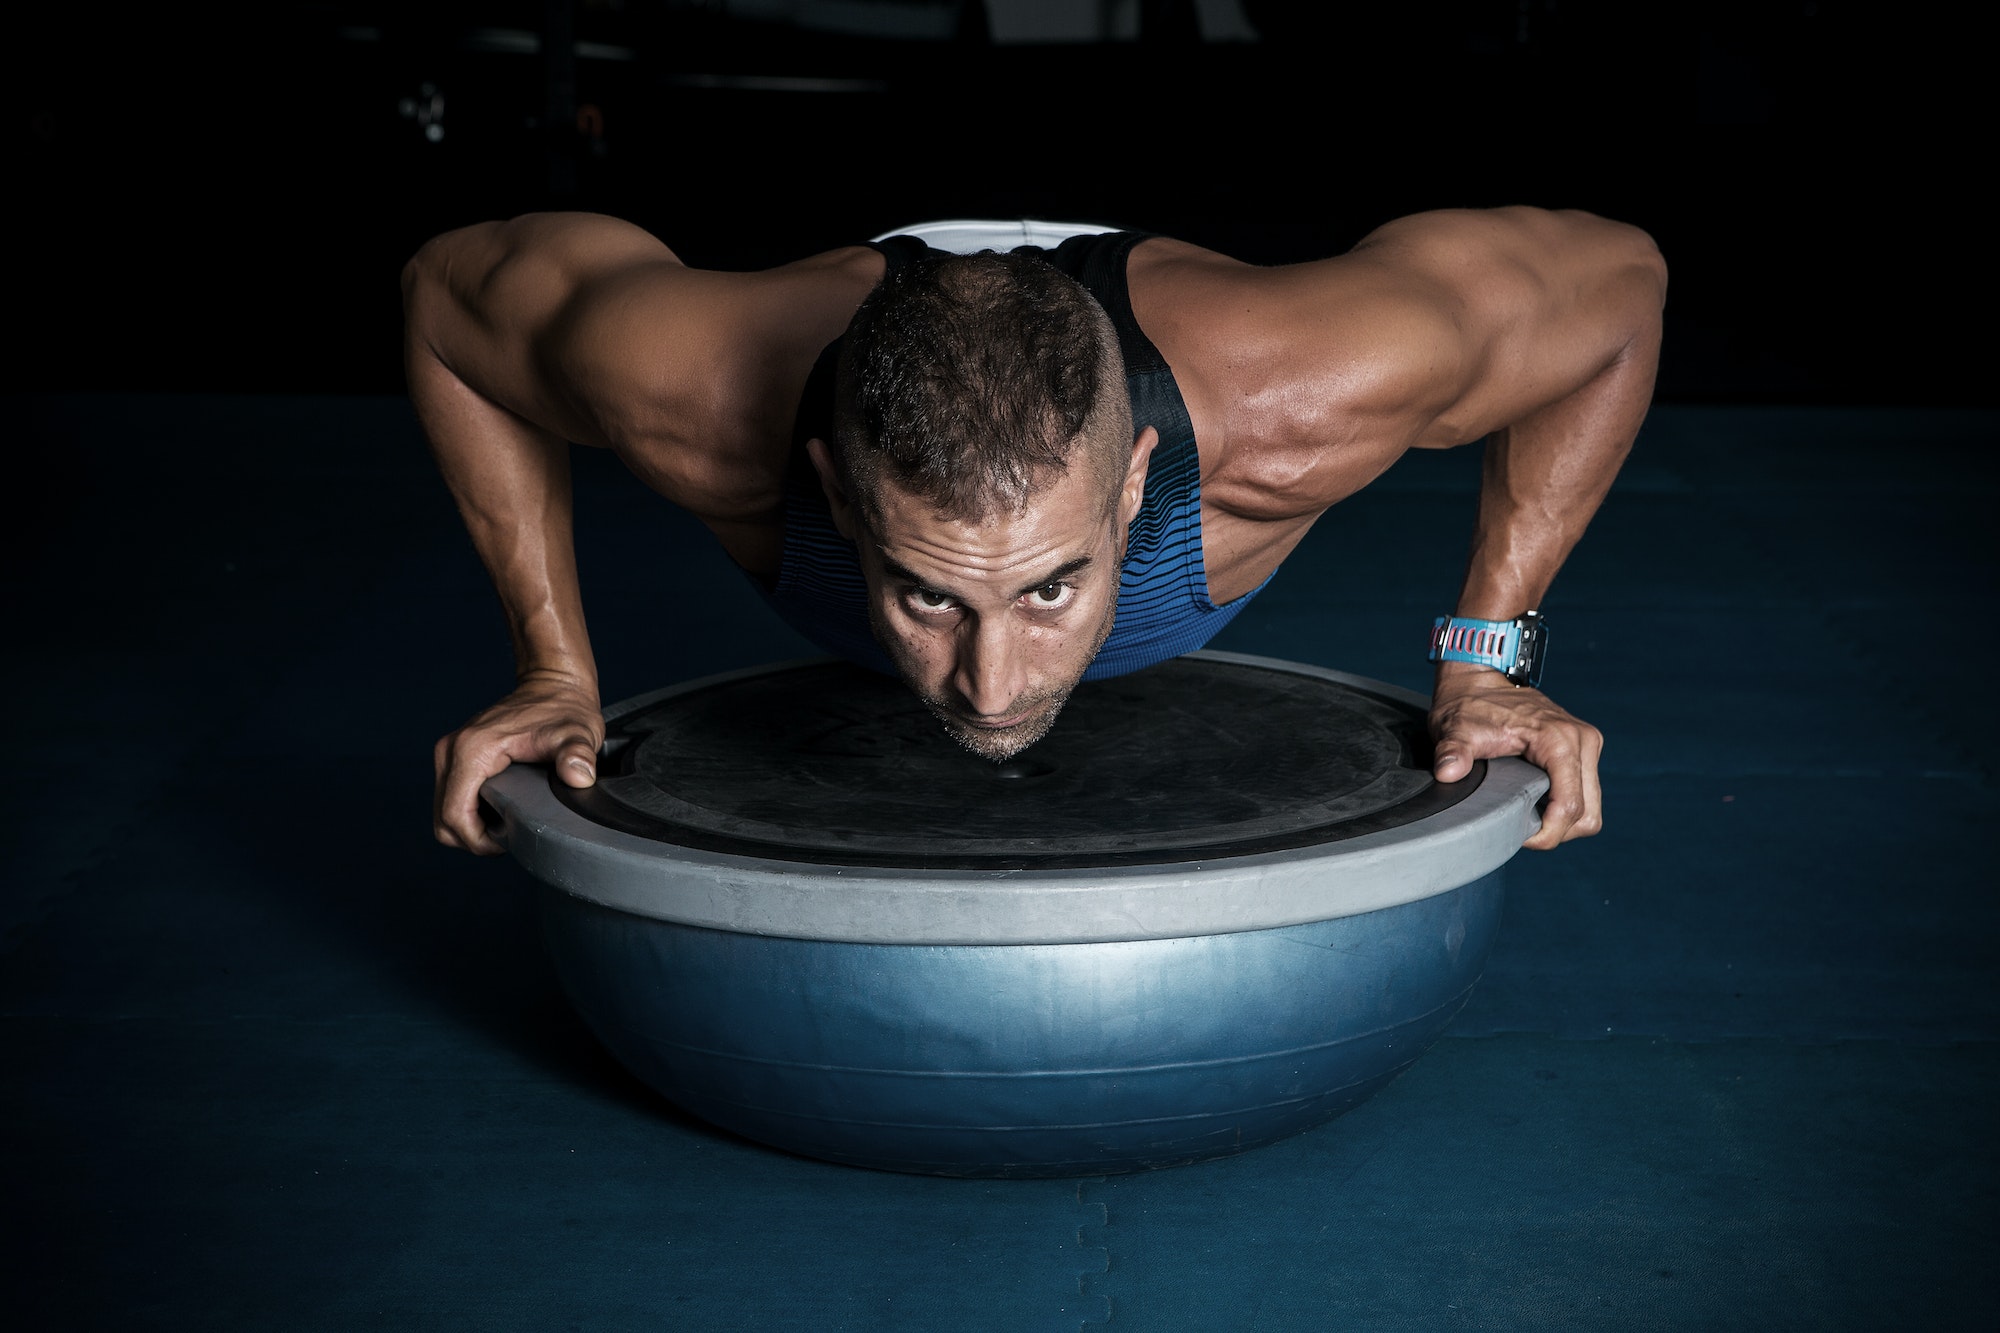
x: 548, y: 719
x: 1479, y: 714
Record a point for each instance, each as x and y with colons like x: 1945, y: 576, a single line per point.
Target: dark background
x: 273, y: 1059
x: 221, y: 200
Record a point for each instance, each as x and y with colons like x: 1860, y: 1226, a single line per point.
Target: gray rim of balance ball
x: 798, y: 894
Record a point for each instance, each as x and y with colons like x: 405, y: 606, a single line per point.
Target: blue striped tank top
x: 1163, y: 604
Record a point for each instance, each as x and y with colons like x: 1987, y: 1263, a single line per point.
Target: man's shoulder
x: 708, y: 348
x: 1303, y: 380
x: 695, y: 376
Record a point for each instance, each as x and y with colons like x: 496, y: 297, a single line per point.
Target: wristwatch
x: 1515, y: 648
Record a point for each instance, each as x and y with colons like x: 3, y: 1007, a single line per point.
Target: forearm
x: 1545, y: 475
x: 1544, y: 478
x: 511, y: 481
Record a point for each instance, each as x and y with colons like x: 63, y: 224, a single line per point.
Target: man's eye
x: 931, y: 601
x: 1050, y: 595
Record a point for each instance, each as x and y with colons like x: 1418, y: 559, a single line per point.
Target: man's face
x: 992, y: 621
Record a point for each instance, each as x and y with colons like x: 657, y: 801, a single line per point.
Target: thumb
x: 1452, y: 762
x: 577, y: 763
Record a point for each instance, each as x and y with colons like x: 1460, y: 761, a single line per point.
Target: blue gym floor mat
x: 1528, y: 1182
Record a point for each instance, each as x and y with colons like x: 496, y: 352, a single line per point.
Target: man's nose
x: 991, y: 669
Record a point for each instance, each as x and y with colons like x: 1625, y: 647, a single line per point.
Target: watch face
x: 1533, y: 652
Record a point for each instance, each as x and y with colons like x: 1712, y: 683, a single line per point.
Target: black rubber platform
x: 1192, y: 759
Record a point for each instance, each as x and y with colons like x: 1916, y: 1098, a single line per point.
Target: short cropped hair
x: 969, y: 380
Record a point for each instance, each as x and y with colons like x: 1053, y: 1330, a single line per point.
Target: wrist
x: 1470, y: 671
x: 1458, y: 680
x: 572, y: 677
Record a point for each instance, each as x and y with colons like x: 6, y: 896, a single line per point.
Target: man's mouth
x: 997, y: 723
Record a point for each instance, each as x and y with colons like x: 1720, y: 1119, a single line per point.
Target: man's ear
x: 1133, y: 493
x: 837, y: 498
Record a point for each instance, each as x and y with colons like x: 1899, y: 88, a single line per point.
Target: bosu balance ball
x: 1222, y: 902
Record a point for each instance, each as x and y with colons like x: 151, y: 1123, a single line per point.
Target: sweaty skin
x: 1536, y: 331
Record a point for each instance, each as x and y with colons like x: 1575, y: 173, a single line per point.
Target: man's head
x: 985, y: 465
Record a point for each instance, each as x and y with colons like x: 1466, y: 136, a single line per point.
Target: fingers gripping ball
x: 553, y: 722
x: 1479, y: 714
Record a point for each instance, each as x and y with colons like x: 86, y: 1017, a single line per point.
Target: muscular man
x: 998, y: 474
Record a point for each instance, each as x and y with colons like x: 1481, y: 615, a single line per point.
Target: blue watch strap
x: 1515, y: 648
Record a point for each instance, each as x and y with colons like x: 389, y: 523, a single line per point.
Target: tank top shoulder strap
x: 1098, y: 262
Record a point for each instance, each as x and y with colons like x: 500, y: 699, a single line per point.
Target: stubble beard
x: 999, y: 744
